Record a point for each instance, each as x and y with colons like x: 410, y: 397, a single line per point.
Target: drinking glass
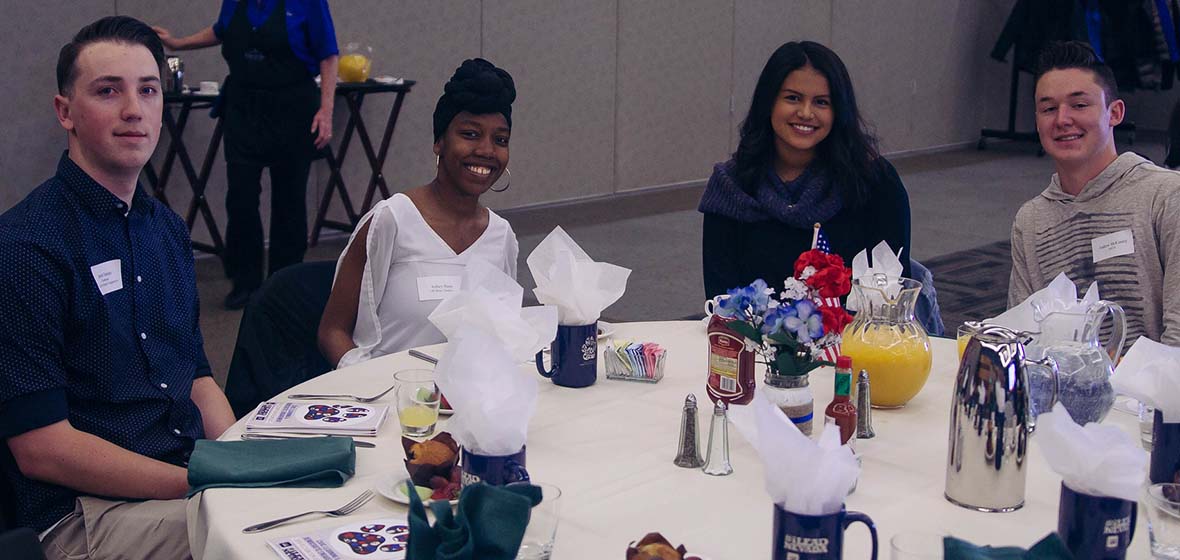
x: 1146, y: 424
x: 913, y: 545
x: 541, y: 532
x: 964, y: 334
x: 417, y: 402
x: 1163, y: 519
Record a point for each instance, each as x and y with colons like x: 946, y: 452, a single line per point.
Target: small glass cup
x: 964, y: 334
x: 417, y: 402
x: 1146, y: 424
x: 1163, y: 519
x: 541, y: 532
x: 913, y: 545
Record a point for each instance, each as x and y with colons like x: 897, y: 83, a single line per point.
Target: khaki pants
x: 101, y: 529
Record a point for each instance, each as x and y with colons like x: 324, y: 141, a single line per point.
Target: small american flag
x: 820, y: 241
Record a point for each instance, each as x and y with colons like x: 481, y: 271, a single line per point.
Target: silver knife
x: 355, y: 441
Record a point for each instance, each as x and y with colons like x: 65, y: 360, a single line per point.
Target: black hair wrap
x: 477, y: 87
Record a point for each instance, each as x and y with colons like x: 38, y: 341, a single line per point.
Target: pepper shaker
x: 864, y: 409
x: 688, y: 454
x: 717, y: 461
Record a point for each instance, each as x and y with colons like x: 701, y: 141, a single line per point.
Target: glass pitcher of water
x: 1072, y: 337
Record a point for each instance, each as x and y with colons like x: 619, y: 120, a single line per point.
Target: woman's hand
x: 199, y: 40
x: 167, y: 38
x: 321, y: 126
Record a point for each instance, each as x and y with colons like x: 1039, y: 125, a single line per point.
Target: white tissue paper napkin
x: 568, y: 278
x: 802, y: 476
x: 492, y: 398
x: 886, y: 262
x: 491, y: 300
x: 1061, y: 295
x: 1094, y: 459
x: 1150, y: 372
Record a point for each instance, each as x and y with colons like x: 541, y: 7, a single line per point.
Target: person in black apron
x: 273, y: 116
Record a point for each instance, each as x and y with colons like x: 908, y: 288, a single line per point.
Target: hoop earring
x: 509, y: 184
x: 436, y: 161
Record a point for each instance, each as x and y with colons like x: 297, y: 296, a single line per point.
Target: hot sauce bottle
x: 841, y: 409
x: 731, y: 365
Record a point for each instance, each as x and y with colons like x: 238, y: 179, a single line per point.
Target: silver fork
x: 309, y: 396
x: 346, y: 509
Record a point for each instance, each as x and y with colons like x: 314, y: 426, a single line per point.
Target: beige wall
x: 613, y: 95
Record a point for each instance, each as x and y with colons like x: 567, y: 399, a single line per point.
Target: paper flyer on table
x: 379, y: 539
x: 317, y: 417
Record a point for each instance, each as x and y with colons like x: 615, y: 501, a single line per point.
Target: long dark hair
x: 850, y: 150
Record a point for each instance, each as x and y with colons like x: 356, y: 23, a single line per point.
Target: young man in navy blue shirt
x: 104, y: 383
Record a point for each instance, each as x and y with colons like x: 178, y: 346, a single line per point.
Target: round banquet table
x: 610, y: 446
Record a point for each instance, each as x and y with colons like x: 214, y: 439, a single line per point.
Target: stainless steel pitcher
x: 991, y: 421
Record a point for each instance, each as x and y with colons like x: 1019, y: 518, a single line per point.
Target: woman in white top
x: 410, y: 249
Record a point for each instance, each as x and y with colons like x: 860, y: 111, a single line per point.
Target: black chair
x: 927, y: 310
x: 276, y: 347
x: 21, y: 544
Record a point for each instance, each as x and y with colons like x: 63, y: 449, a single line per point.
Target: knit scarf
x: 799, y: 203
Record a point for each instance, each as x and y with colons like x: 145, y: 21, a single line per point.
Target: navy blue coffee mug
x: 492, y: 469
x: 574, y: 354
x: 815, y: 537
x: 1165, y: 450
x: 1095, y: 527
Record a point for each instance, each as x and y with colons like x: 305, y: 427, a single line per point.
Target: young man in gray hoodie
x: 1106, y: 217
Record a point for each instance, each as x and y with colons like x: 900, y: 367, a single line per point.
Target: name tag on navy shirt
x: 108, y: 276
x: 1115, y: 244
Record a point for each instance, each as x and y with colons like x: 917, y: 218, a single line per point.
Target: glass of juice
x: 417, y: 402
x: 965, y: 331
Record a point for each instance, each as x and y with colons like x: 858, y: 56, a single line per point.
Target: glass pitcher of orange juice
x: 887, y: 340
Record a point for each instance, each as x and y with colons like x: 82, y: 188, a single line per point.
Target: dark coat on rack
x: 1033, y: 23
x: 1128, y: 40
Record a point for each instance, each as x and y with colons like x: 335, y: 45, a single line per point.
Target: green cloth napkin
x: 489, y: 526
x: 320, y: 462
x: 1049, y: 548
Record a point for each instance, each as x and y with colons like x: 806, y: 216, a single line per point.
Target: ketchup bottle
x: 731, y: 365
x: 841, y: 409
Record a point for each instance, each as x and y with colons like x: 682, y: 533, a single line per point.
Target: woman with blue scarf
x: 805, y: 157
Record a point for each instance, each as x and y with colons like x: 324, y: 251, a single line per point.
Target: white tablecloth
x: 609, y: 447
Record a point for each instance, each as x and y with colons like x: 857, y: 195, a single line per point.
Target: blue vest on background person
x: 101, y: 314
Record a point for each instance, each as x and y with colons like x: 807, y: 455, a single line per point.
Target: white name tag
x: 432, y: 288
x: 108, y: 276
x: 1115, y: 244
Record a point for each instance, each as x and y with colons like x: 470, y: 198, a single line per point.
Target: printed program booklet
x: 317, y: 417
x: 379, y: 539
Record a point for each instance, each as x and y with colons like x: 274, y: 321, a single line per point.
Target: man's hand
x: 62, y: 455
x: 321, y: 126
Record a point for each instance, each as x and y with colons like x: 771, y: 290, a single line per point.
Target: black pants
x: 288, y: 219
